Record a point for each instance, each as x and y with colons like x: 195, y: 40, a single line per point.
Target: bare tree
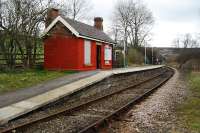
x: 176, y: 42
x: 186, y: 41
x: 188, y: 48
x: 20, y: 22
x: 134, y: 20
x: 76, y: 9
x: 140, y: 23
x: 121, y: 19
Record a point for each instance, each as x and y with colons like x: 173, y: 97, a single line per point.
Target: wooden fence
x: 195, y: 67
x: 192, y: 66
x: 18, y: 60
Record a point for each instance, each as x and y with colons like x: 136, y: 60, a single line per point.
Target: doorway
x: 98, y: 57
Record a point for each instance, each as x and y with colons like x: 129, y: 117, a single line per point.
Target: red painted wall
x: 82, y: 66
x: 67, y: 53
x: 60, y: 53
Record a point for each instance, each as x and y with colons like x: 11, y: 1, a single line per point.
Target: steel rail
x: 77, y: 107
x: 93, y: 127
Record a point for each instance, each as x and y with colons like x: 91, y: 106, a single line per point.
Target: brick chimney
x: 52, y: 13
x: 98, y: 23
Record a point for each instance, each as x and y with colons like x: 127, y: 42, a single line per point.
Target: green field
x: 10, y: 81
x: 189, y: 112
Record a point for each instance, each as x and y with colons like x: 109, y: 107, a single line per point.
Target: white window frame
x: 107, y: 53
x: 87, y: 52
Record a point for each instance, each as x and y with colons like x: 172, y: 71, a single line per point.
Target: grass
x: 189, y: 112
x: 11, y: 81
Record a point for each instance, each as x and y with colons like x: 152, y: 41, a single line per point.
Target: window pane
x: 87, y: 52
x: 107, y: 53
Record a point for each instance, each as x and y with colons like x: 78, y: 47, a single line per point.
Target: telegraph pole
x: 124, y: 53
x: 152, y: 56
x: 145, y: 54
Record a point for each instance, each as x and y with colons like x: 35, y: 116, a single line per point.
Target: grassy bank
x: 189, y: 112
x: 10, y: 81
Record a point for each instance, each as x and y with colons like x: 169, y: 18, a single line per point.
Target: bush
x: 119, y: 62
x: 39, y: 67
x: 135, y: 57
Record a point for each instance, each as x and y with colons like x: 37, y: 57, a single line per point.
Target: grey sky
x: 172, y: 17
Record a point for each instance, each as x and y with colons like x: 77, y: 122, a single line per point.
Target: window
x: 107, y: 53
x: 87, y: 52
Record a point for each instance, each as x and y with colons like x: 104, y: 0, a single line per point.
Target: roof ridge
x: 83, y: 23
x: 81, y: 29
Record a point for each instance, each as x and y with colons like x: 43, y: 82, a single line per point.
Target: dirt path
x: 156, y: 113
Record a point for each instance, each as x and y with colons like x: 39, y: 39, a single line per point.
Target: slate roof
x: 89, y: 31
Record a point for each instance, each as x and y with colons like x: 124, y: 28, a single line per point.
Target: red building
x: 73, y: 45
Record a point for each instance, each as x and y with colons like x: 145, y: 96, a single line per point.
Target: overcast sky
x: 172, y: 18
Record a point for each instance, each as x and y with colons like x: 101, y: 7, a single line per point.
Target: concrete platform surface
x: 19, y: 95
x: 26, y: 105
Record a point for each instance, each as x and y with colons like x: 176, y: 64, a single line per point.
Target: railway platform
x: 64, y: 88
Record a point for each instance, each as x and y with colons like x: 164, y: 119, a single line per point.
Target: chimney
x: 98, y: 23
x: 52, y: 13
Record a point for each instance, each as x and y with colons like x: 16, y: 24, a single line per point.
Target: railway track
x: 90, y: 115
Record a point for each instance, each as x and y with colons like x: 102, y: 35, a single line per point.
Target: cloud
x: 175, y: 10
x: 165, y: 32
x: 172, y: 17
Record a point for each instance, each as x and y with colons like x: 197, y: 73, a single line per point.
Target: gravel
x: 76, y: 120
x: 113, y: 83
x: 156, y: 114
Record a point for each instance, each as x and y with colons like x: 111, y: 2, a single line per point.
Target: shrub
x: 134, y: 56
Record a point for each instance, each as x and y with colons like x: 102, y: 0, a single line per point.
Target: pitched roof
x: 82, y: 30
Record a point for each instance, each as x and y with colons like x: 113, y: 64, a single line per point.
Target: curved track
x: 90, y: 115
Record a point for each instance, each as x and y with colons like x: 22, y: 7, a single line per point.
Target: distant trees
x: 188, y: 45
x: 186, y: 41
x: 132, y: 22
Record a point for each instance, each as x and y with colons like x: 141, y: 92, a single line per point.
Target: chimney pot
x: 98, y: 23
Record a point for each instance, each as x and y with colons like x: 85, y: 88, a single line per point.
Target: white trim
x: 87, y: 52
x: 107, y: 53
x: 69, y: 26
x: 59, y: 18
x: 49, y: 27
